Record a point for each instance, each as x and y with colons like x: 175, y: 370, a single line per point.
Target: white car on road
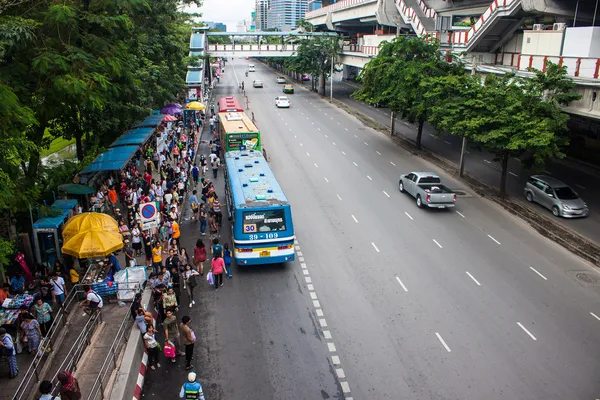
x: 280, y: 79
x: 282, y: 102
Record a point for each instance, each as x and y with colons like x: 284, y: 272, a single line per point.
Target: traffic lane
x: 287, y: 331
x: 495, y: 330
x: 518, y: 241
x: 481, y: 164
x: 262, y: 322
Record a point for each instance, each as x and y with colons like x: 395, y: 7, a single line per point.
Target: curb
x: 137, y: 393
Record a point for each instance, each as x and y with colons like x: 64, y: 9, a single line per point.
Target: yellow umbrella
x: 93, y: 243
x: 195, y: 105
x: 87, y: 221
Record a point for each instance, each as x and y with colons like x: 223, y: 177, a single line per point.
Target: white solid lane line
x: 338, y: 196
x: 402, y: 284
x: 472, y: 277
x: 436, y: 242
x: 355, y: 164
x: 407, y: 214
x: 384, y: 192
x: 460, y: 214
x: 392, y: 163
x: 526, y: 331
x: 595, y: 316
x: 493, y: 239
x: 537, y: 272
x: 375, y: 247
x: 326, y: 180
x: 377, y: 152
x: 444, y: 343
x: 354, y: 218
x: 369, y: 178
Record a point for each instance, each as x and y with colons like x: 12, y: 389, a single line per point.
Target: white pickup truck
x: 427, y: 188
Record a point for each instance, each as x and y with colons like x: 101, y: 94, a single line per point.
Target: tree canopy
x: 83, y: 70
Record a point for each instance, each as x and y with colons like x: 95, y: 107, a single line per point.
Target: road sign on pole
x: 150, y: 215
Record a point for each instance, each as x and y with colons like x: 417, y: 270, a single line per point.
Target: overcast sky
x: 229, y: 12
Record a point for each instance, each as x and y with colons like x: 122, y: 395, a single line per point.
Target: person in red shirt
x: 217, y: 268
x: 148, y: 178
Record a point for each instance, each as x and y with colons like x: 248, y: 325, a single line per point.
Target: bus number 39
x: 267, y: 235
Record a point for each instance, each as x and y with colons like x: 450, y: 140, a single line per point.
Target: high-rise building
x: 243, y: 26
x: 314, y: 5
x: 262, y: 8
x: 216, y: 25
x: 283, y: 14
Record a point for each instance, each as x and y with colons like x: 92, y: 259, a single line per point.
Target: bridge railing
x: 267, y: 48
x: 335, y: 6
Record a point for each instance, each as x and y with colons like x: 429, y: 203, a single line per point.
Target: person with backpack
x: 227, y: 259
x: 192, y: 389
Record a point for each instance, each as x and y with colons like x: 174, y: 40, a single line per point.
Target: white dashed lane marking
x: 443, y: 342
x: 493, y: 239
x: 475, y: 280
x: 384, y: 192
x: 526, y: 331
x: 402, y: 284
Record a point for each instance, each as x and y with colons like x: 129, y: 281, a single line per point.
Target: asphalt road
x: 481, y: 164
x: 387, y: 301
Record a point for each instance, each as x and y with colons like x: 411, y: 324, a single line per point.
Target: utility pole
x: 463, y: 150
x: 331, y: 83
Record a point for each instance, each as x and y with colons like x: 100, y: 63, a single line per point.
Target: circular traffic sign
x: 148, y: 211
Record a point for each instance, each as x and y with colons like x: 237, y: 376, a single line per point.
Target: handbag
x: 193, y: 335
x: 192, y: 281
x: 210, y: 278
x: 169, y: 350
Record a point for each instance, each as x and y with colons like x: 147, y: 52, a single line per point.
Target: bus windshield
x: 263, y: 221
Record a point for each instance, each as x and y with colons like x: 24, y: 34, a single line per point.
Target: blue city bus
x: 261, y: 217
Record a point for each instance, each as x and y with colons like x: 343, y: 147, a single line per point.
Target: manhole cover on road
x: 586, y: 278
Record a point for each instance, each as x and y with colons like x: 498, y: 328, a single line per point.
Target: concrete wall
x: 375, y: 40
x: 582, y: 42
x: 543, y: 43
x: 586, y: 104
x: 514, y: 44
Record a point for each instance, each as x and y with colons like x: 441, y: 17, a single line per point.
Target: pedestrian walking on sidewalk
x: 190, y: 282
x: 189, y: 338
x: 215, y: 167
x: 192, y: 389
x: 218, y: 268
x: 69, y: 386
x: 152, y: 348
x: 194, y: 204
x: 46, y: 391
x: 227, y: 259
x: 172, y: 333
x: 202, y: 217
x: 199, y: 256
x: 7, y: 349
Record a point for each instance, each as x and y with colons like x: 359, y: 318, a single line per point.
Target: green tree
x: 314, y: 56
x: 395, y: 75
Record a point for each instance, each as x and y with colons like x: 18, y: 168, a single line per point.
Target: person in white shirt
x: 58, y: 285
x: 212, y: 156
x: 168, y: 197
x: 93, y: 301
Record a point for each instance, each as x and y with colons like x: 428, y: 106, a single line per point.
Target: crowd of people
x: 169, y: 172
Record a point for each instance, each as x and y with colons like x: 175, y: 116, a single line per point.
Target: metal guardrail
x: 60, y: 320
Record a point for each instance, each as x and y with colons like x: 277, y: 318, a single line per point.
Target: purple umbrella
x: 171, y: 109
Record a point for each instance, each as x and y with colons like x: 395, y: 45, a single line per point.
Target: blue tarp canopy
x: 65, y: 204
x: 113, y: 159
x: 51, y: 222
x: 150, y: 122
x: 135, y: 136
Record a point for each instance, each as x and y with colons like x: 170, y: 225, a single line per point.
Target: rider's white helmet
x: 192, y: 377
